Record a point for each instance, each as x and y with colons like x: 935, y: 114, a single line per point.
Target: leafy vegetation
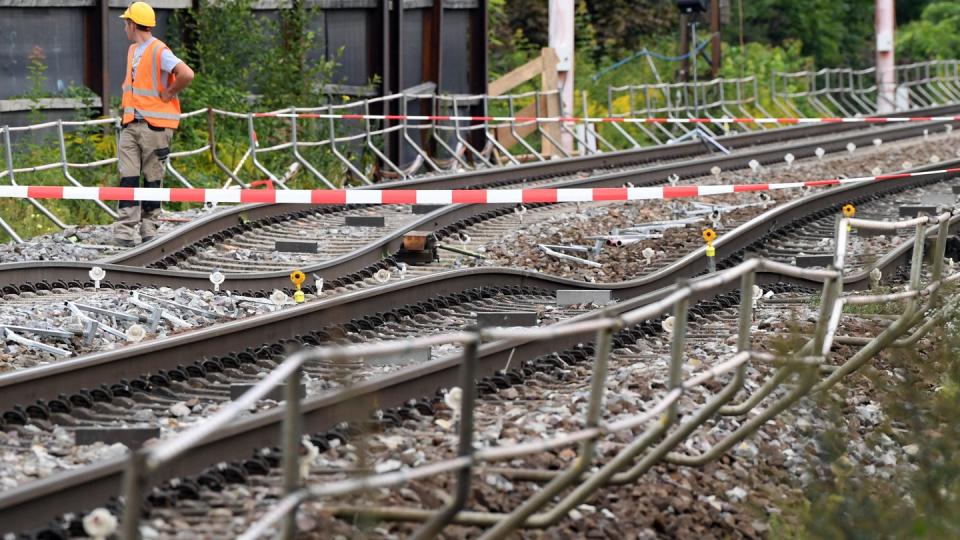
x: 935, y: 35
x: 245, y: 61
x: 233, y: 50
x: 919, y: 396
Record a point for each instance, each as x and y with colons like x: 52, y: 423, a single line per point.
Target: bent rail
x: 805, y: 364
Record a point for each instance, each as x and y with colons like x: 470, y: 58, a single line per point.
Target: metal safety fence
x: 354, y: 142
x: 851, y: 92
x: 663, y: 427
x: 333, y: 152
x: 830, y: 92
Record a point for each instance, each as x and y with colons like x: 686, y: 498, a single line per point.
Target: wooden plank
x: 461, y: 4
x: 549, y: 82
x: 516, y: 77
x: 351, y: 90
x: 506, y: 138
x: 15, y: 105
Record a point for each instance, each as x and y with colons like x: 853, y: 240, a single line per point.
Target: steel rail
x: 62, y: 490
x: 34, y: 504
x: 122, y: 270
x: 187, y: 235
x: 31, y: 505
x: 22, y: 387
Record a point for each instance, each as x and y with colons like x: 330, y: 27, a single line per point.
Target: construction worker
x: 151, y: 111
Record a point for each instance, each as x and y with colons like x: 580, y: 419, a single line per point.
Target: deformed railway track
x: 149, y: 264
x: 30, y: 505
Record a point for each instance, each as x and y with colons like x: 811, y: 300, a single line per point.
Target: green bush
x: 921, y: 404
x: 935, y: 35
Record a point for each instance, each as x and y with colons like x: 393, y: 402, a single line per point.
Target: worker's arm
x: 184, y: 76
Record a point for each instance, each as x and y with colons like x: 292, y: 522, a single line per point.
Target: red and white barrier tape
x: 617, y: 119
x: 418, y: 196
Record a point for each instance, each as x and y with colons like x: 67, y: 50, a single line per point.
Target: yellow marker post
x: 298, y: 277
x: 709, y: 235
x: 849, y: 211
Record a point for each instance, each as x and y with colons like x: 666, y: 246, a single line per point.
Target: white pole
x: 886, y: 74
x: 562, y: 14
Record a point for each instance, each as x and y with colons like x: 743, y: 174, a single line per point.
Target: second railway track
x: 146, y: 265
x: 60, y: 492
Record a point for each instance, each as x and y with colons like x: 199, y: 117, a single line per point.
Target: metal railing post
x: 516, y: 136
x: 943, y: 230
x: 598, y: 386
x: 343, y: 159
x: 436, y: 128
x: 13, y: 182
x: 746, y: 311
x: 214, y: 155
x: 477, y: 154
x: 3, y: 224
x: 299, y: 157
x: 66, y: 170
x: 916, y: 260
x: 492, y: 138
x: 292, y: 432
x: 134, y: 482
x: 676, y: 348
x: 404, y: 130
x: 916, y: 270
x: 252, y: 135
x: 590, y: 129
x: 832, y: 288
x: 373, y: 147
x: 468, y: 389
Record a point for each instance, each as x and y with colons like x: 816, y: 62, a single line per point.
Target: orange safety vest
x: 143, y: 93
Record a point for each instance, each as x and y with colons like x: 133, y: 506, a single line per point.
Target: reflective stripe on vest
x: 139, y: 92
x: 142, y: 94
x: 151, y: 114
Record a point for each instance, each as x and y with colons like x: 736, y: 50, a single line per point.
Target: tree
x: 834, y: 32
x: 935, y: 35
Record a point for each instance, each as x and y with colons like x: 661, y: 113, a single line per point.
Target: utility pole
x: 562, y: 13
x: 886, y: 74
x: 715, y: 38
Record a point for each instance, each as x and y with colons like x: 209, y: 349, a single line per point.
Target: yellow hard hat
x: 141, y: 13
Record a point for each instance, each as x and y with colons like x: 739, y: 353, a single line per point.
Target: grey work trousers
x: 142, y: 150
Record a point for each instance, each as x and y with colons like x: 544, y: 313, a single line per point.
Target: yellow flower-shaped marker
x: 849, y: 211
x: 297, y: 277
x: 709, y: 235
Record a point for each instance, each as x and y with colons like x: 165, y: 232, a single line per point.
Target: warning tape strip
x: 419, y: 196
x: 617, y: 119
